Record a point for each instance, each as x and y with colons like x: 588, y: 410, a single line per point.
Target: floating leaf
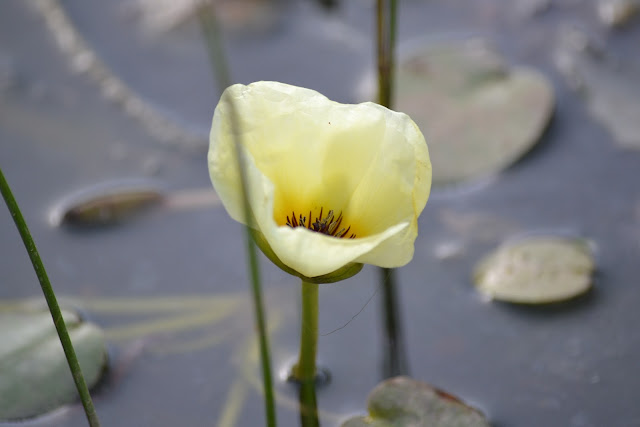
x: 404, y: 402
x: 34, y: 374
x: 610, y: 86
x: 105, y: 205
x: 477, y: 115
x: 159, y: 16
x: 617, y: 13
x: 536, y: 271
x: 112, y: 203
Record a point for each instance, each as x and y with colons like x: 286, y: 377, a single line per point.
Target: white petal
x: 305, y: 152
x: 311, y: 254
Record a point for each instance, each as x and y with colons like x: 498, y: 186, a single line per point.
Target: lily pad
x: 165, y: 15
x: 404, y: 402
x: 113, y: 203
x: 478, y: 115
x: 617, y: 13
x: 610, y: 86
x: 34, y: 375
x: 105, y: 205
x: 536, y: 271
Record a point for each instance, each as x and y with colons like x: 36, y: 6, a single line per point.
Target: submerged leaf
x: 536, y: 271
x: 34, y: 374
x: 477, y: 115
x: 404, y: 402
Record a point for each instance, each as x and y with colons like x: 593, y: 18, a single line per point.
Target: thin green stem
x: 305, y: 369
x: 395, y: 362
x: 50, y: 297
x: 308, y: 405
x: 386, y: 38
x: 394, y: 358
x: 213, y: 40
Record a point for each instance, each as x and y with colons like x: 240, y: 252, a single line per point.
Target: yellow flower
x: 331, y: 186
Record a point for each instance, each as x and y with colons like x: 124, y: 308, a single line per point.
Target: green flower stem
x: 308, y: 405
x: 395, y: 362
x: 386, y: 30
x: 394, y: 359
x: 213, y: 40
x: 305, y: 370
x: 50, y: 297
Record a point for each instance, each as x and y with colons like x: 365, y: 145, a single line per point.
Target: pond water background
x: 572, y: 364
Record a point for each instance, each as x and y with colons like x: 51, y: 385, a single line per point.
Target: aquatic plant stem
x: 213, y: 40
x: 50, y: 297
x: 386, y: 39
x: 394, y: 358
x: 395, y: 362
x: 308, y: 405
x: 305, y: 369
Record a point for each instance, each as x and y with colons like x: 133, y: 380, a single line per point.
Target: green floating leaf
x: 404, y: 402
x: 537, y: 270
x: 610, y: 85
x: 477, y: 115
x: 617, y: 13
x: 34, y: 374
x: 245, y: 16
x: 105, y: 205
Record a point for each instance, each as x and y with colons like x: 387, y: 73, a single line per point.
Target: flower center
x: 329, y: 225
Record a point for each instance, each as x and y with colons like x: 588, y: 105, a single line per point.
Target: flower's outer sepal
x: 343, y: 273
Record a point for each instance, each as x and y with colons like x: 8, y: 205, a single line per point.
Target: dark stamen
x: 329, y: 225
